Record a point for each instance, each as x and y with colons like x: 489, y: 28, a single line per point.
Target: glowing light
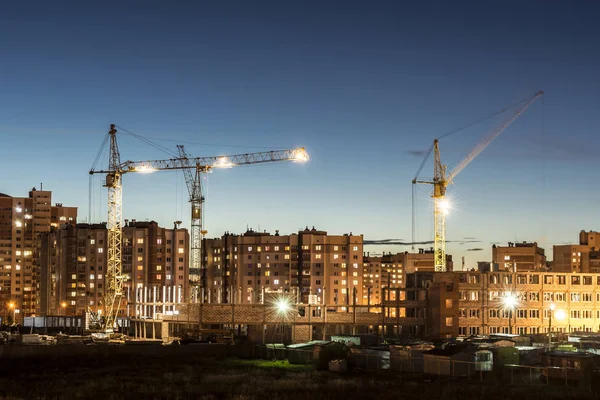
x: 509, y: 300
x: 552, y: 306
x: 444, y: 206
x: 560, y: 315
x: 18, y: 224
x: 144, y: 169
x: 11, y: 305
x: 282, y: 306
x: 223, y: 162
x: 300, y: 155
x: 18, y: 209
x: 63, y: 304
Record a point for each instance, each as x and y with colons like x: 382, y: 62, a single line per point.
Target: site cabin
x: 570, y: 365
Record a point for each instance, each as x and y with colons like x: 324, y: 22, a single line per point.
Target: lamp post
x: 12, y: 306
x: 552, y: 307
x: 510, y: 302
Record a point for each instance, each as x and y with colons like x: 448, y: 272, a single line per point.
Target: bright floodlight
x: 509, y: 301
x: 560, y: 315
x: 223, y: 162
x: 444, y: 206
x: 283, y: 306
x: 300, y: 155
x: 145, y: 169
x: 552, y: 306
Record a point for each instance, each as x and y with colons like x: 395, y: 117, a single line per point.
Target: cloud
x: 398, y: 242
x: 417, y: 153
x: 475, y: 249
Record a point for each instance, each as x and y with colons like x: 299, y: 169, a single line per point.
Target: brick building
x: 22, y: 220
x: 316, y: 267
x: 74, y: 261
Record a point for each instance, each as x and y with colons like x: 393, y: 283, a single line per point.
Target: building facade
x: 22, y: 220
x: 583, y: 257
x: 315, y: 267
x: 390, y: 271
x: 576, y: 298
x: 524, y: 256
x: 74, y: 262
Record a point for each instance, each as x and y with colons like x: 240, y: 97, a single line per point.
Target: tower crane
x: 442, y: 179
x: 114, y: 278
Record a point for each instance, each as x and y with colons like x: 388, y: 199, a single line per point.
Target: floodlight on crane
x: 442, y: 179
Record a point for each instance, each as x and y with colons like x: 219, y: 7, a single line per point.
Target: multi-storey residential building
x: 583, y: 257
x: 524, y: 256
x: 576, y: 298
x: 74, y: 261
x: 317, y: 267
x: 389, y: 271
x: 22, y: 220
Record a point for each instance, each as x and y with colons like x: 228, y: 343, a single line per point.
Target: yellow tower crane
x: 114, y: 278
x: 442, y: 179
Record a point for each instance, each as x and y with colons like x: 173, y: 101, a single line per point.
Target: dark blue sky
x: 359, y: 84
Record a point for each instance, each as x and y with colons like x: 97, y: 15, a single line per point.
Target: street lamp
x: 509, y: 302
x: 12, y: 306
x: 552, y: 307
x: 63, y: 305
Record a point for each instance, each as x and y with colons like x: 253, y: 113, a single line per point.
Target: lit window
x: 355, y: 282
x: 18, y: 252
x: 28, y: 216
x: 100, y: 250
x: 336, y: 256
x: 140, y: 258
x: 355, y: 248
x: 335, y: 248
x: 159, y: 241
x: 99, y: 276
x: 92, y: 277
x: 276, y: 248
x: 159, y: 267
x: 267, y: 273
x: 180, y: 250
x: 276, y: 281
x: 92, y: 241
x: 73, y: 276
x: 578, y: 254
x: 249, y: 248
x: 317, y: 247
x: 506, y: 258
x: 286, y: 256
x: 168, y: 277
x: 158, y: 276
x: 258, y: 248
x: 18, y: 209
x: 318, y: 256
x: 343, y: 282
x: 449, y: 321
x: 140, y: 240
x: 574, y: 260
x: 63, y: 218
x: 18, y: 224
x: 28, y: 253
x: 140, y: 267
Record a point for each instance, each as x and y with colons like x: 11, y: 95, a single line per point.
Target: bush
x: 333, y: 351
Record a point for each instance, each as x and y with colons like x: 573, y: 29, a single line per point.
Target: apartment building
x: 22, y: 220
x: 390, y: 271
x: 576, y: 298
x: 74, y: 262
x: 583, y: 257
x: 524, y: 256
x: 317, y: 267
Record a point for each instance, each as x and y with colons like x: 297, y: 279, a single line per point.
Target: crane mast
x: 441, y: 180
x: 194, y: 185
x: 114, y: 275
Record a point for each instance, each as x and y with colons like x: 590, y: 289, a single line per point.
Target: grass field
x: 152, y: 377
